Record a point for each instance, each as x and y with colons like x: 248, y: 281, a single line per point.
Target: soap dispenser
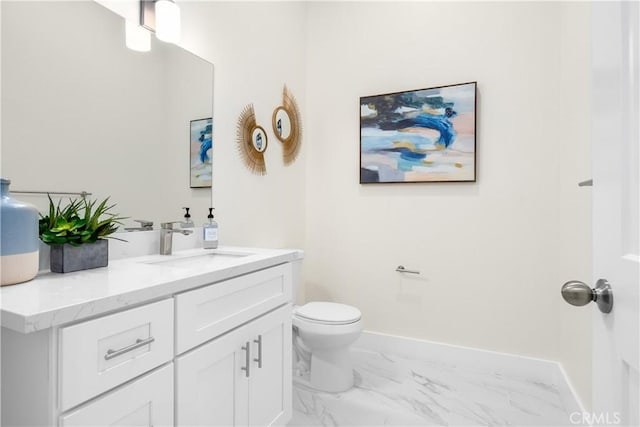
x: 187, y: 223
x: 210, y: 232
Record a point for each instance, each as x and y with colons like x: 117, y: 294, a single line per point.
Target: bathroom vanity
x: 196, y: 338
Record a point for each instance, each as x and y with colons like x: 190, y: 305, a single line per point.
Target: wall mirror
x: 80, y: 111
x: 287, y: 126
x: 281, y: 123
x: 259, y: 139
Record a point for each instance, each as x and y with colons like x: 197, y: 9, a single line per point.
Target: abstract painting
x: 200, y: 145
x: 425, y: 135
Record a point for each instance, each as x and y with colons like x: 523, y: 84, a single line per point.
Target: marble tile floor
x: 398, y: 391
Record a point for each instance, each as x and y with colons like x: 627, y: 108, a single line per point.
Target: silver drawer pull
x: 247, y: 360
x: 259, y: 359
x: 139, y: 343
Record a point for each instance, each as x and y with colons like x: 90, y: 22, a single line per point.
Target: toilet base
x: 331, y: 371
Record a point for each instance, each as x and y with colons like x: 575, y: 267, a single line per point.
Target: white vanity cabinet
x: 240, y: 378
x: 73, y: 375
x: 210, y: 352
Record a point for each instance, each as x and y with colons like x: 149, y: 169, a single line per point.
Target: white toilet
x: 327, y: 330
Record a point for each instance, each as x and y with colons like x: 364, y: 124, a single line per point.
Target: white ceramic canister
x: 19, y: 240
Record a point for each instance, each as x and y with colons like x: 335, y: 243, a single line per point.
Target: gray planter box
x: 66, y: 258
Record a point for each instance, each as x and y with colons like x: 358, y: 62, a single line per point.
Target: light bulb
x: 137, y: 38
x: 167, y: 21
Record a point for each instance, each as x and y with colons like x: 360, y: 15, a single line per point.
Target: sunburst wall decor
x: 288, y: 127
x: 252, y: 141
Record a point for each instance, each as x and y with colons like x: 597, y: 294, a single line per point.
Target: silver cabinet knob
x: 579, y: 293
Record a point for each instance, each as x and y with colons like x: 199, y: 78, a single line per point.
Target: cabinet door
x: 211, y: 386
x: 147, y: 401
x: 270, y: 380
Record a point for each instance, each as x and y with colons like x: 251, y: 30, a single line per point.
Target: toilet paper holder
x: 401, y: 269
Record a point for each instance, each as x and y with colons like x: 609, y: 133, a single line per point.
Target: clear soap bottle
x: 210, y: 232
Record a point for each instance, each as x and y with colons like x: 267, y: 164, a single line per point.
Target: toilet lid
x: 329, y: 312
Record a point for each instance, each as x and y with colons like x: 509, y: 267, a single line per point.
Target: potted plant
x: 77, y: 234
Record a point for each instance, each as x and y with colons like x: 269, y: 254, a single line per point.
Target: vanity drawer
x: 208, y: 312
x: 100, y: 354
x: 147, y: 401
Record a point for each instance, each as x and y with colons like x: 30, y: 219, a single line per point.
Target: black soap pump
x: 210, y: 232
x: 187, y: 223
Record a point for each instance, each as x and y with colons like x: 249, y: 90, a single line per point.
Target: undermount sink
x: 197, y: 260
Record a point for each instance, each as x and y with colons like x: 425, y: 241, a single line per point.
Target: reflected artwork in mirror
x: 200, y: 147
x: 287, y: 126
x: 80, y: 111
x: 281, y: 124
x: 259, y: 139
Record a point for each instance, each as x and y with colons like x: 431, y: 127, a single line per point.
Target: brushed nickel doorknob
x: 579, y: 293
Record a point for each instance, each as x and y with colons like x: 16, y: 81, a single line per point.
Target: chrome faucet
x: 166, y: 236
x: 145, y: 225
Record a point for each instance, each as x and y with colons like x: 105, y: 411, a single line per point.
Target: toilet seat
x: 328, y: 313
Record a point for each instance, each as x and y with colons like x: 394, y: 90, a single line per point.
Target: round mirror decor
x: 252, y: 141
x: 287, y: 126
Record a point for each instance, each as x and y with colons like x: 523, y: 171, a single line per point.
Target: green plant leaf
x: 77, y: 222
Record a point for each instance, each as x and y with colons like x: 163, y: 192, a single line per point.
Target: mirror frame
x: 252, y: 158
x: 291, y: 144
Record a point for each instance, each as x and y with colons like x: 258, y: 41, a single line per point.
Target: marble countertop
x: 53, y: 299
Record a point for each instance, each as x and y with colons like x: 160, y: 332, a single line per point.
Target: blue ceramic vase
x: 19, y: 241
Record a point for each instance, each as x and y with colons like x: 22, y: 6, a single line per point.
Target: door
x: 270, y: 380
x: 616, y: 252
x: 211, y: 386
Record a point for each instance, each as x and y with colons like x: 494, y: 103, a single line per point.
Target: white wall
x: 574, y: 206
x: 493, y: 254
x: 256, y: 48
